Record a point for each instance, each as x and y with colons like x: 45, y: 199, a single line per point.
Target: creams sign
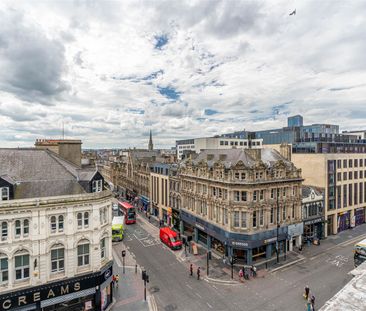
x: 36, y: 294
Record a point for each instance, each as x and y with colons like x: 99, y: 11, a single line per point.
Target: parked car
x: 170, y: 238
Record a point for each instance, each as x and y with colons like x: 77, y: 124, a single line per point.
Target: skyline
x: 112, y: 71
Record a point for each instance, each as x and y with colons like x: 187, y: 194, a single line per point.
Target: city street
x: 325, y: 269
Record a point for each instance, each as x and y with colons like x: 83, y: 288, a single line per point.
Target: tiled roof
x: 41, y: 173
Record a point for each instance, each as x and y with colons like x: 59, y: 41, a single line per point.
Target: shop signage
x: 37, y: 294
x: 200, y: 227
x: 295, y: 229
x: 270, y: 240
x: 240, y: 244
x: 313, y: 221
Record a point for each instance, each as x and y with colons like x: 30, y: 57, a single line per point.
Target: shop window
x: 4, y: 269
x: 58, y: 259
x: 22, y: 266
x: 83, y: 254
x: 4, y: 230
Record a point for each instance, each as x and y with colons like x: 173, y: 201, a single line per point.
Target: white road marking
x: 209, y: 305
x: 198, y: 295
x: 189, y: 286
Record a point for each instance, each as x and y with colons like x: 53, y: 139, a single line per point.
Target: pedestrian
x: 241, y: 274
x: 254, y: 271
x: 307, y: 290
x: 113, y: 280
x: 198, y: 273
x: 312, y: 301
x: 191, y: 269
x: 117, y: 279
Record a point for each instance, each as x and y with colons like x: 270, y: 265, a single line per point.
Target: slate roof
x: 306, y: 190
x: 230, y: 157
x: 41, y: 173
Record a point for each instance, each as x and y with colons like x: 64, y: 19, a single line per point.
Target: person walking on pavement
x: 312, y: 301
x: 254, y: 271
x: 241, y: 274
x: 198, y: 273
x: 191, y: 269
x: 117, y: 279
x: 306, y: 294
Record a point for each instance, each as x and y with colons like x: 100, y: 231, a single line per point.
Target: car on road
x: 170, y: 238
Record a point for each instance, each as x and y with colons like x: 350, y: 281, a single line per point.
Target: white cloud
x: 93, y: 65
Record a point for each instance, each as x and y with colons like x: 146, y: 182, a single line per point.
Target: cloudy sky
x: 111, y: 71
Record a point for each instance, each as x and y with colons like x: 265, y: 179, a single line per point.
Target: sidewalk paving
x: 130, y: 292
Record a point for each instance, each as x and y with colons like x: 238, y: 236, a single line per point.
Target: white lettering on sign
x: 236, y: 243
x: 270, y: 240
x: 200, y: 227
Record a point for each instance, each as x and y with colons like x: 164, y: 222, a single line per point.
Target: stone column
x: 335, y: 224
x: 268, y: 251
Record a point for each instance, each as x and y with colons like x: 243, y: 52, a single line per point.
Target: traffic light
x: 144, y: 275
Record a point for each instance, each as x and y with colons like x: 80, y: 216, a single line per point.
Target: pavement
x: 324, y: 268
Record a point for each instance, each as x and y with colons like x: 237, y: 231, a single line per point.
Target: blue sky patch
x: 169, y: 92
x: 210, y: 112
x: 160, y: 41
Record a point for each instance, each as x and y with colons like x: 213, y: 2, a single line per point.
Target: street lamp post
x: 278, y: 227
x: 145, y: 278
x: 123, y: 260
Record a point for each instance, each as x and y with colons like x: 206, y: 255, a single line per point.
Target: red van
x: 170, y: 238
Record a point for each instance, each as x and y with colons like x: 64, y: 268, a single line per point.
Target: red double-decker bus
x: 129, y: 211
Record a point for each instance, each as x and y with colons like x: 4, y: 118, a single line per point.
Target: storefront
x: 313, y: 229
x: 144, y: 202
x: 244, y: 247
x: 86, y: 292
x: 344, y: 221
x: 359, y: 216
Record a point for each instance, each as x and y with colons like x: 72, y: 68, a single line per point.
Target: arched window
x: 22, y: 266
x: 4, y: 269
x: 18, y: 228
x: 60, y: 223
x: 58, y: 258
x: 80, y: 220
x: 83, y: 254
x: 4, y: 230
x: 53, y: 224
x: 25, y: 227
x: 86, y: 219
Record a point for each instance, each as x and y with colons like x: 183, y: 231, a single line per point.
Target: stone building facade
x: 55, y: 245
x: 241, y: 202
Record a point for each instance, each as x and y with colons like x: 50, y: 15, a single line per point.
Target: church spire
x: 151, y: 146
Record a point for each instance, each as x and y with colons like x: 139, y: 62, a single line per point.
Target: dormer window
x: 97, y: 185
x: 4, y: 194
